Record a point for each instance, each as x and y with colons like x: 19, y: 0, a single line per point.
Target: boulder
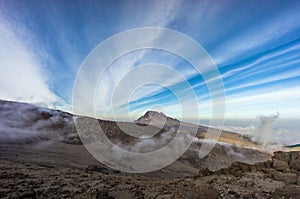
x: 280, y: 165
x: 288, y: 178
x: 269, y: 164
x: 291, y: 191
x: 253, y: 168
x: 294, y: 155
x: 235, y: 169
x: 95, y: 168
x: 282, y: 156
x: 244, y: 167
x: 204, y: 172
x: 295, y: 164
x: 295, y: 160
x: 260, y: 166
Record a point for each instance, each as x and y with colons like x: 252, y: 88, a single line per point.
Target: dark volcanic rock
x: 95, y: 168
x: 295, y: 160
x: 290, y: 159
x: 196, y: 192
x: 30, y: 173
x: 290, y: 191
x: 204, y: 172
x: 288, y: 178
x: 280, y: 165
x: 282, y: 156
x: 269, y: 164
x: 278, y: 170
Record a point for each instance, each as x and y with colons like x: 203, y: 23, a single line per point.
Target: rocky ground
x: 276, y: 178
x: 41, y: 156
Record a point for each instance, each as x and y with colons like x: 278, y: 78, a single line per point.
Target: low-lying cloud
x: 24, y: 123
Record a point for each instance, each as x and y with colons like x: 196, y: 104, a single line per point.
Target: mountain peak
x: 150, y: 116
x: 156, y: 118
x: 154, y: 114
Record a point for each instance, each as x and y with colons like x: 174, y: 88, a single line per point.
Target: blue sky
x: 255, y: 45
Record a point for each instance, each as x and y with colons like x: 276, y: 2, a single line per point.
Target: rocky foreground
x: 41, y: 156
x: 276, y: 178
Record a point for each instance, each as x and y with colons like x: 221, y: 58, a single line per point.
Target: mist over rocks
x: 27, y: 123
x: 23, y: 123
x: 236, y: 167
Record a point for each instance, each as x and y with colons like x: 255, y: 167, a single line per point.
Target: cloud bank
x: 25, y: 123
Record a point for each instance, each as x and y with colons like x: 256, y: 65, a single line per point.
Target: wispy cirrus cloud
x: 255, y: 45
x: 22, y: 77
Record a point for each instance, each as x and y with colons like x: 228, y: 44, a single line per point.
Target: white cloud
x: 22, y: 77
x: 24, y: 123
x: 122, y: 92
x: 250, y: 103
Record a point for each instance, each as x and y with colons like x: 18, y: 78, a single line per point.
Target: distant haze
x: 283, y: 131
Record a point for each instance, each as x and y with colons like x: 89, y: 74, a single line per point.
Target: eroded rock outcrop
x: 283, y: 167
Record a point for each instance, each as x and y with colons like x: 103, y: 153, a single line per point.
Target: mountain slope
x: 28, y: 133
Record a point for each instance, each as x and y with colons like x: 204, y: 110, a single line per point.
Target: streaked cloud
x: 22, y: 77
x: 255, y: 45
